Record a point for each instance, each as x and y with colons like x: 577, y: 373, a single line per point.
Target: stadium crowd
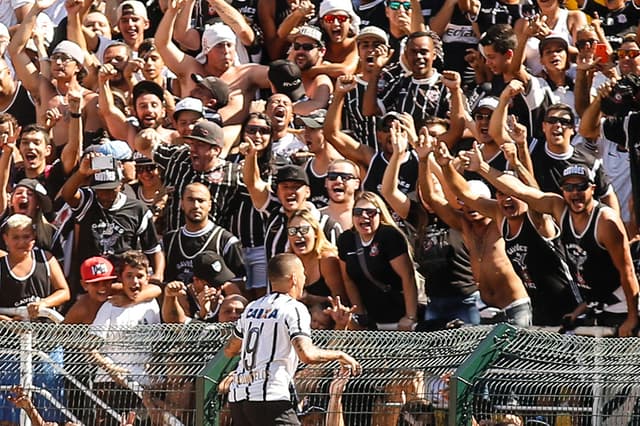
x: 427, y: 162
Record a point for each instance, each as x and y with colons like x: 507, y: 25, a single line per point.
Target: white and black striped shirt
x: 363, y: 127
x: 422, y: 98
x: 223, y: 181
x: 268, y: 360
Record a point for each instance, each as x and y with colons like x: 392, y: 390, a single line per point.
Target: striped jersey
x: 224, y: 181
x: 363, y: 127
x: 268, y: 360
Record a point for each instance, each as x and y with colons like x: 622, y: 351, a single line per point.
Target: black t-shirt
x: 494, y: 12
x: 387, y: 244
x: 615, y: 23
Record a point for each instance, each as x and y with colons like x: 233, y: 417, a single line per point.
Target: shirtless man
x: 307, y: 52
x: 594, y: 237
x: 51, y: 93
x: 219, y: 48
x: 500, y: 287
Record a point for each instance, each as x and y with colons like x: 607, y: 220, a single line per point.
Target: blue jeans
x: 255, y: 264
x: 450, y: 308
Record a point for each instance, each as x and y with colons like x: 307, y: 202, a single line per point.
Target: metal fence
x: 168, y: 375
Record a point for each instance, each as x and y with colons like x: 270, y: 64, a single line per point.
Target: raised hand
x: 106, y: 72
x: 442, y: 154
x: 473, y: 158
x: 340, y: 313
x: 73, y: 6
x: 425, y: 143
x: 74, y: 98
x: 380, y: 56
x: 175, y: 289
x: 512, y: 89
x: 398, y: 138
x: 345, y: 83
x: 474, y: 58
x: 451, y: 80
x: 51, y: 117
x: 510, y: 152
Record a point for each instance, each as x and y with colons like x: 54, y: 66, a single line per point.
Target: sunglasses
x: 580, y: 187
x: 360, y: 211
x: 582, y: 43
x: 565, y: 122
x: 330, y: 19
x: 304, y: 46
x: 252, y: 130
x: 628, y: 53
x: 478, y: 116
x: 335, y: 175
x: 395, y: 5
x: 295, y: 230
x: 65, y: 59
x: 150, y: 168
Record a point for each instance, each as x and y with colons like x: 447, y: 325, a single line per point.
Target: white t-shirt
x: 268, y: 360
x: 124, y: 354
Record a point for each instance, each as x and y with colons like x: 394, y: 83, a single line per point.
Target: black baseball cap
x: 291, y: 173
x: 218, y: 88
x: 41, y: 193
x: 210, y: 267
x: 207, y: 132
x: 286, y: 77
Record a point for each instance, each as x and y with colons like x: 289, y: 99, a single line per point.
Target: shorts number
x: 251, y: 348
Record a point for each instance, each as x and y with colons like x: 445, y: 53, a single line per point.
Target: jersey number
x: 251, y: 348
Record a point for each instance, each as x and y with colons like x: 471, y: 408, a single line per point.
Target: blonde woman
x: 377, y: 268
x: 319, y: 257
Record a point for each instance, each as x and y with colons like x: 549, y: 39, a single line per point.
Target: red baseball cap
x: 96, y: 269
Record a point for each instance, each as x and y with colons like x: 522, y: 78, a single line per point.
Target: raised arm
x: 175, y: 59
x: 8, y: 142
x: 274, y: 45
x: 452, y: 82
x: 439, y: 22
x: 258, y: 188
x: 396, y: 199
x: 590, y: 122
x: 234, y: 19
x: 25, y: 70
x: 172, y: 309
x: 72, y: 151
x: 345, y: 144
x: 301, y: 12
x: 543, y: 202
x: 113, y: 118
x: 525, y: 29
x: 381, y: 56
x: 70, y: 189
x: 460, y: 187
x: 186, y: 36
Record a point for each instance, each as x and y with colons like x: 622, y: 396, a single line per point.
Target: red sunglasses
x: 330, y: 19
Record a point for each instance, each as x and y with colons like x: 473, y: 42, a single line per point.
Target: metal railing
x: 168, y: 374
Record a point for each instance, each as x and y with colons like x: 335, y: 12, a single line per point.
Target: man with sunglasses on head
x: 307, y: 52
x: 595, y: 241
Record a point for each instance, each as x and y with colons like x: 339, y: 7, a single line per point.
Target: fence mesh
x: 91, y: 375
x: 562, y: 380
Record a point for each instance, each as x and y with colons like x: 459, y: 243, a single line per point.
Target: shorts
x: 261, y: 413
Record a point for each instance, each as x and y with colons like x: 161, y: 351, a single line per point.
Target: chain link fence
x: 168, y: 375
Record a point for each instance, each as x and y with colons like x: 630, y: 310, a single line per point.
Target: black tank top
x: 407, y: 176
x: 542, y: 266
x: 22, y: 107
x: 20, y: 291
x: 318, y: 288
x: 591, y: 264
x: 319, y: 195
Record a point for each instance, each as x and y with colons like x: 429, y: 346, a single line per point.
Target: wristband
x: 412, y: 318
x: 75, y: 114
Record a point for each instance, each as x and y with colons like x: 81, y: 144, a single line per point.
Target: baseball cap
x: 96, y: 269
x: 291, y: 173
x: 218, y: 88
x: 142, y: 160
x: 315, y: 120
x: 70, y: 48
x: 188, y: 104
x: 107, y: 178
x: 117, y: 149
x: 488, y: 102
x: 310, y: 31
x: 479, y: 188
x: 553, y: 37
x: 132, y: 7
x: 210, y: 267
x: 328, y: 6
x: 577, y: 170
x: 385, y: 121
x: 373, y: 31
x: 147, y: 86
x: 207, y: 132
x: 286, y: 78
x: 214, y: 35
x: 41, y: 192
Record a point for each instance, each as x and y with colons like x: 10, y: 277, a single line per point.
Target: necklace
x: 481, y: 247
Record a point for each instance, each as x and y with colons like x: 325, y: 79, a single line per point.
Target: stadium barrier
x: 169, y: 375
